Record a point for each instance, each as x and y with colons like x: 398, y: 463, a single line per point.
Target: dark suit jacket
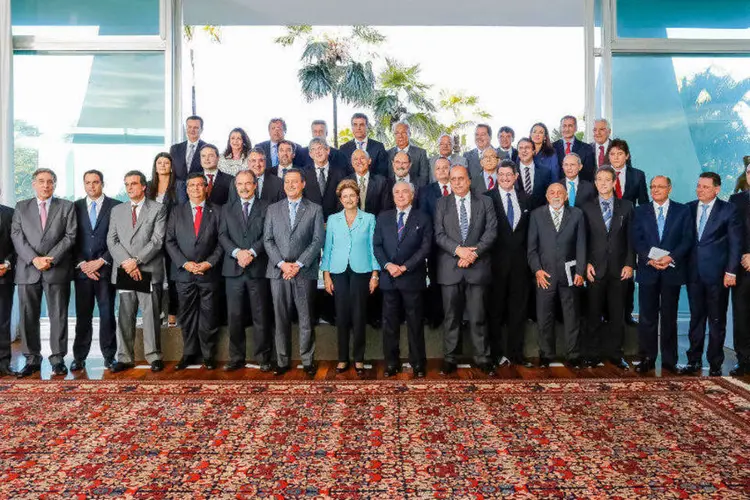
x: 91, y: 243
x: 327, y: 199
x: 549, y: 249
x: 428, y: 198
x: 297, y: 161
x: 582, y: 149
x: 335, y: 159
x: 376, y: 196
x: 609, y: 251
x: 482, y: 234
x: 7, y: 252
x: 273, y: 188
x: 183, y: 246
x: 741, y: 202
x: 178, y: 152
x: 636, y: 189
x: 585, y: 192
x: 375, y: 149
x: 412, y: 251
x: 678, y: 238
x: 419, y: 172
x: 223, y: 191
x: 478, y: 186
x: 512, y: 156
x: 542, y: 180
x: 235, y: 233
x: 510, y: 247
x: 720, y: 248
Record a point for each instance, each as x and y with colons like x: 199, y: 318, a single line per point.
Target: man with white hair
x: 420, y: 167
x: 319, y: 128
x: 602, y: 133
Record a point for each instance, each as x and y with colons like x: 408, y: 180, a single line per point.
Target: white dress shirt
x: 656, y: 210
x: 444, y: 186
x: 487, y: 179
x: 138, y: 206
x: 193, y: 206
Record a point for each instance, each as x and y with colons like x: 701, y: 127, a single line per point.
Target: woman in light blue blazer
x: 350, y: 272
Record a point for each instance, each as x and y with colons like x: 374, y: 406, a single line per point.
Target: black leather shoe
x: 360, y: 369
x: 233, y: 366
x: 645, y: 366
x: 690, y: 369
x: 209, y: 364
x: 714, y: 371
x: 184, y: 363
x: 342, y: 367
x: 447, y: 368
x: 5, y: 370
x: 59, y: 369
x: 280, y: 370
x: 28, y: 371
x: 669, y: 368
x: 391, y: 371
x: 265, y: 367
x: 108, y: 362
x: 77, y: 366
x: 120, y: 367
x: 310, y: 370
x: 157, y: 366
x: 575, y: 363
x: 420, y: 372
x: 487, y: 369
x: 619, y: 363
x: 739, y: 370
x: 544, y: 362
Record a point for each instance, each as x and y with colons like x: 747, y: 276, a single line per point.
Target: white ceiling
x: 385, y: 12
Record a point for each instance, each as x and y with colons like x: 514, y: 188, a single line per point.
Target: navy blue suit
x: 299, y: 156
x: 377, y: 153
x: 715, y: 252
x: 582, y: 149
x: 659, y: 291
x: 91, y: 244
x: 542, y: 180
x: 178, y: 152
x: 741, y: 292
x: 428, y: 198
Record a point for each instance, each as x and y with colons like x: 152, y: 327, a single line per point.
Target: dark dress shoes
x: 108, y: 362
x: 645, y: 366
x: 739, y: 370
x: 5, y: 370
x: 77, y: 365
x: 280, y: 370
x: 447, y: 368
x: 714, y: 371
x: 59, y: 369
x: 310, y: 370
x: 576, y: 363
x: 391, y: 371
x: 233, y: 366
x: 157, y: 366
x: 669, y: 368
x: 28, y: 370
x: 620, y: 363
x: 420, y: 372
x: 184, y: 363
x: 342, y: 367
x: 592, y: 362
x: 265, y: 367
x: 120, y: 367
x: 544, y: 362
x: 487, y: 369
x: 690, y: 369
x: 209, y: 364
x: 360, y: 369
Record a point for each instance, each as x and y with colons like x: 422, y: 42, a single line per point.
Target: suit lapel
x: 53, y: 206
x: 357, y: 220
x: 142, y: 215
x: 565, y: 218
x: 300, y: 212
x: 103, y: 211
x: 711, y: 217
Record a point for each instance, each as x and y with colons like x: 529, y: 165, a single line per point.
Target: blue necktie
x: 660, y: 222
x: 463, y: 220
x: 607, y: 214
x: 511, y: 214
x: 92, y: 214
x: 246, y: 210
x: 572, y: 193
x: 274, y: 155
x: 293, y: 212
x: 702, y: 221
x: 400, y: 226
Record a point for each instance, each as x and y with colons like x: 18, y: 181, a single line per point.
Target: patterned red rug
x: 646, y: 438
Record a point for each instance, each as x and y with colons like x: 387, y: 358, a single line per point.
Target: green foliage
x: 465, y: 111
x: 345, y: 135
x: 25, y: 159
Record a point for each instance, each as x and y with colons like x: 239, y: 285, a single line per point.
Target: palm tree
x: 330, y: 67
x: 465, y: 111
x: 214, y: 34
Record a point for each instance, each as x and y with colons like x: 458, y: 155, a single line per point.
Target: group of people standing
x: 478, y: 241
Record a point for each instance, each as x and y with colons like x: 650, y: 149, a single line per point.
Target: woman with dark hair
x: 163, y: 188
x: 741, y: 184
x: 544, y: 153
x: 236, y: 153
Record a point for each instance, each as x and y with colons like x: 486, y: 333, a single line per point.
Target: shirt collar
x: 201, y: 204
x: 406, y: 211
x: 552, y: 210
x: 710, y: 204
x: 574, y: 181
x: 139, y: 204
x: 467, y: 196
x: 656, y: 205
x: 249, y: 200
x: 324, y: 167
x: 611, y: 200
x: 48, y: 200
x: 98, y: 201
x: 366, y: 175
x: 213, y: 172
x: 290, y: 201
x: 189, y: 143
x: 530, y: 165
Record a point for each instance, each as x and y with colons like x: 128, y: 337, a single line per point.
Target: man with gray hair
x: 321, y: 180
x: 420, y: 166
x: 44, y: 232
x: 277, y: 133
x: 376, y: 150
x: 445, y: 150
x: 319, y: 128
x: 602, y: 133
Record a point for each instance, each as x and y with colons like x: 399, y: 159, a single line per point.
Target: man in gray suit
x: 483, y: 140
x: 293, y: 237
x: 557, y: 256
x: 465, y: 230
x: 445, y: 150
x: 419, y: 172
x: 44, y: 232
x: 135, y: 240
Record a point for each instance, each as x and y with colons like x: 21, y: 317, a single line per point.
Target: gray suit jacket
x: 482, y: 234
x: 472, y: 161
x: 550, y: 250
x: 56, y: 240
x: 144, y: 242
x: 419, y: 172
x: 299, y: 243
x: 455, y: 158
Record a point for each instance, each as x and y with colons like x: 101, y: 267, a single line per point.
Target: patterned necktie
x: 702, y: 221
x: 322, y: 180
x: 572, y: 193
x: 43, y: 213
x: 362, y: 192
x: 557, y: 219
x: 198, y: 219
x: 607, y: 214
x: 92, y: 215
x: 601, y: 155
x: 360, y: 144
x: 660, y: 222
x: 210, y: 184
x: 246, y: 210
x: 618, y: 186
x: 400, y: 225
x: 510, y: 212
x: 134, y: 215
x: 259, y: 190
x: 491, y: 184
x: 293, y: 212
x: 283, y: 172
x: 445, y: 190
x: 191, y: 154
x: 567, y: 147
x: 463, y: 220
x: 527, y: 180
x: 275, y: 155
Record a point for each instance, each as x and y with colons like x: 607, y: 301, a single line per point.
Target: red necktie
x: 198, y: 219
x: 445, y: 190
x: 491, y: 185
x: 567, y: 148
x: 135, y: 215
x: 210, y: 184
x: 601, y: 155
x: 618, y: 187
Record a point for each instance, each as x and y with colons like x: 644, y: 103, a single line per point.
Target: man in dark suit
x: 7, y: 275
x: 245, y: 264
x: 602, y: 131
x: 610, y: 263
x: 483, y: 141
x: 93, y: 275
x: 487, y: 181
x: 193, y: 245
x: 662, y: 235
x: 220, y: 185
x: 557, y: 256
x: 269, y: 187
x: 321, y: 181
x: 506, y: 151
x: 277, y: 133
x: 569, y: 144
x: 419, y: 172
x: 287, y: 154
x: 741, y: 292
x: 465, y: 230
x: 186, y: 154
x: 44, y: 232
x: 336, y: 160
x: 532, y: 180
x: 376, y: 150
x: 372, y: 187
x: 508, y: 298
x: 401, y: 243
x: 712, y: 270
x: 293, y: 237
x: 580, y: 191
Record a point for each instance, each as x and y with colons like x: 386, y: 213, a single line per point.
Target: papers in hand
x: 570, y: 271
x: 657, y: 253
